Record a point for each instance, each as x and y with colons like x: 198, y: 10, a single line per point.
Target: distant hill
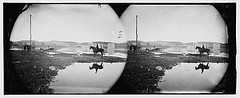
x: 61, y: 44
x: 143, y: 44
x: 176, y: 44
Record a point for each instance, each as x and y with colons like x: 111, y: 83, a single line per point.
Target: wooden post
x: 30, y: 32
x: 136, y: 32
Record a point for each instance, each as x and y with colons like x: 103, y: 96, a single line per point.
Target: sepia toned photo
x: 119, y: 48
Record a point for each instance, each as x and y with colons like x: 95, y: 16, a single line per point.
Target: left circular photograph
x: 67, y: 48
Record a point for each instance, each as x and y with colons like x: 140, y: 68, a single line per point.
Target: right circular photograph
x: 175, y: 48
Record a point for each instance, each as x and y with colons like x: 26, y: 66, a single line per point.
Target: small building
x: 111, y: 48
x: 216, y: 48
x: 28, y: 47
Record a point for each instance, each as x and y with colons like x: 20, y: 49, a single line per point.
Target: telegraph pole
x: 30, y: 31
x: 136, y: 32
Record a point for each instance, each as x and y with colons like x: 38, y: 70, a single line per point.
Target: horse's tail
x: 101, y: 50
x: 207, y: 67
x: 208, y: 50
x: 101, y: 66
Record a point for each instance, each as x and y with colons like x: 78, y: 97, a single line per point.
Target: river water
x: 192, y: 77
x: 87, y: 77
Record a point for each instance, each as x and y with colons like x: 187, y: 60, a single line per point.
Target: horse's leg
x: 94, y: 53
x: 95, y: 71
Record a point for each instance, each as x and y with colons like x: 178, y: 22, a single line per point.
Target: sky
x: 69, y: 22
x: 183, y: 23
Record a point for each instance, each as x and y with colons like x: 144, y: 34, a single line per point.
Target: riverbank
x: 141, y: 73
x: 35, y: 70
x: 32, y: 72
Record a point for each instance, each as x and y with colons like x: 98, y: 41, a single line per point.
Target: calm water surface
x: 192, y: 77
x: 87, y: 77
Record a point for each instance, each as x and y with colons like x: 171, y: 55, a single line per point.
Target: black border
x: 11, y: 11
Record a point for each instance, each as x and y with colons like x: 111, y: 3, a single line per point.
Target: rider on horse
x: 203, y: 49
x: 97, y: 49
x: 97, y: 46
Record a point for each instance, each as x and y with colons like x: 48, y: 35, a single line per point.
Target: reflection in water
x: 96, y: 66
x: 77, y: 78
x: 183, y: 78
x: 202, y: 66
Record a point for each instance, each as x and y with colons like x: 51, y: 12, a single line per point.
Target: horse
x: 202, y: 66
x: 96, y: 67
x: 96, y: 50
x: 202, y: 50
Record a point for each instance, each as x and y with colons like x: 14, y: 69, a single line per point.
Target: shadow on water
x: 79, y: 78
x: 202, y: 67
x: 96, y: 66
x: 200, y: 77
x: 185, y: 78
